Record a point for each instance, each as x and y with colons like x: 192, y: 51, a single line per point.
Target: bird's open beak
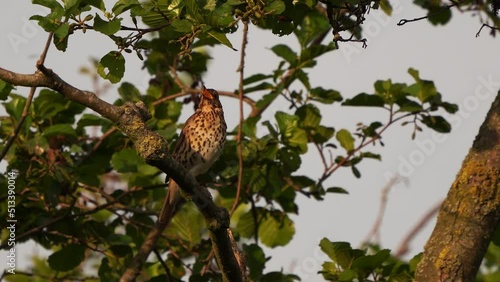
x: 207, y: 94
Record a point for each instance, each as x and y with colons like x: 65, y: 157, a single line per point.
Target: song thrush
x: 198, y: 147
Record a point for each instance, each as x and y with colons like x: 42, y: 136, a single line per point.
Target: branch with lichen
x: 131, y: 119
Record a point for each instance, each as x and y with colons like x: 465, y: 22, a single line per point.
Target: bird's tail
x: 171, y: 204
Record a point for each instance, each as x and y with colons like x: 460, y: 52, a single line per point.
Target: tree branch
x: 19, y: 125
x: 405, y: 243
x: 153, y: 148
x: 241, y: 69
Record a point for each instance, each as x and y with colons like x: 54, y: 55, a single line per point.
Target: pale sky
x: 462, y: 66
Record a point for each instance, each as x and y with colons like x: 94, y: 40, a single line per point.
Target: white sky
x: 459, y: 63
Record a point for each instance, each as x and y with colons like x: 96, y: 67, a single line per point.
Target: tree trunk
x: 470, y: 212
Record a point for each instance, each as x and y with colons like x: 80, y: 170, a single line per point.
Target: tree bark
x: 470, y: 213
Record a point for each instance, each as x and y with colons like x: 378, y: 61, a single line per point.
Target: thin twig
x: 334, y: 166
x: 255, y: 219
x: 444, y: 8
x: 19, y: 125
x: 102, y: 137
x: 241, y: 69
x: 490, y: 26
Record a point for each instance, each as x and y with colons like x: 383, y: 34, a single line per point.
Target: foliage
x: 350, y: 264
x: 96, y: 199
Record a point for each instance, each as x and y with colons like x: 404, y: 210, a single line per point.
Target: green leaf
x: 312, y: 26
x: 285, y: 52
x: 309, y: 116
x: 330, y: 271
x: 51, y: 4
x: 193, y: 9
x: 62, y: 31
x: 322, y: 134
x: 356, y: 171
x: 438, y: 123
x: 52, y: 105
x: 118, y: 239
x: 371, y: 262
x: 371, y: 130
x: 386, y: 6
x: 415, y: 261
x: 5, y: 89
x: 290, y: 160
x: 346, y: 140
x: 338, y: 190
x: 298, y: 140
x: 129, y: 92
x: 112, y: 66
x: 347, y: 275
x: 67, y: 258
x: 106, y: 27
x: 307, y: 55
x: 255, y: 78
x: 186, y: 225
x: 274, y: 7
x: 249, y: 126
x: 52, y: 21
x: 276, y: 229
x: 439, y: 15
x: 106, y: 271
x: 286, y: 122
x: 69, y: 4
x: 258, y: 87
x: 126, y: 160
x: 91, y: 120
x: 275, y: 276
x: 182, y: 25
x: 222, y: 38
x: 255, y: 259
x: 325, y: 96
x: 290, y: 133
x: 246, y: 224
x: 370, y: 155
x: 450, y: 108
x: 268, y: 99
x: 407, y: 105
x: 424, y: 90
x: 339, y: 252
x: 61, y: 36
x: 60, y: 129
x: 365, y: 100
x: 168, y: 111
x: 124, y: 5
x: 15, y: 107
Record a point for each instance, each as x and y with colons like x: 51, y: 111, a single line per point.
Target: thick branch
x: 470, y: 213
x: 130, y: 119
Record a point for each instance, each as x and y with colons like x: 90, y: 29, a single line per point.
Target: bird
x: 199, y: 145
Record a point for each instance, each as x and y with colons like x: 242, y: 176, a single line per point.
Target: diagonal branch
x: 153, y: 148
x: 19, y: 125
x: 241, y: 69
